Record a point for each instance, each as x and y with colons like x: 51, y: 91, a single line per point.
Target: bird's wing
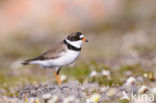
x: 53, y: 53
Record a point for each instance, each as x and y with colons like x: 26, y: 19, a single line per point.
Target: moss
x: 124, y: 101
x: 10, y: 83
x: 78, y: 72
x: 136, y: 69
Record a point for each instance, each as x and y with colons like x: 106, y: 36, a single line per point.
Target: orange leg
x: 57, y: 78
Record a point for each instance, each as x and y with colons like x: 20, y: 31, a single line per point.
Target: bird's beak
x: 84, y: 40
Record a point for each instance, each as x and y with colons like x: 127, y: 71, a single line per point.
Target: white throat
x: 76, y: 44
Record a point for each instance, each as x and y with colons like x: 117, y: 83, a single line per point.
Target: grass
x: 78, y: 72
x: 10, y: 83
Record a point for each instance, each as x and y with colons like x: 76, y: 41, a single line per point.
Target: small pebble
x: 130, y: 81
x: 93, y: 74
x: 145, y: 75
x: 46, y: 96
x: 153, y: 90
x: 111, y: 92
x: 63, y: 78
x: 142, y: 89
x: 94, y: 98
x: 105, y: 72
x: 69, y: 99
x: 54, y: 99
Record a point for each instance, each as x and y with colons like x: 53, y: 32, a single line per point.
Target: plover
x: 64, y: 53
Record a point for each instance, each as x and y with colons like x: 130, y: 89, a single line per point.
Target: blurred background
x: 120, y: 32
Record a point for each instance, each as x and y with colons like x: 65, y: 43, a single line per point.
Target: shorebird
x: 64, y: 53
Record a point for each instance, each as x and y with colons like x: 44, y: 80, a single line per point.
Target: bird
x: 64, y: 53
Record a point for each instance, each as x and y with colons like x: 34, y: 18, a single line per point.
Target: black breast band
x: 69, y: 46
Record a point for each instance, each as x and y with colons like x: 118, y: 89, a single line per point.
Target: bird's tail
x: 27, y: 62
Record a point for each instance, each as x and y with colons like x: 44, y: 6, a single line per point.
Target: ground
x: 112, y: 64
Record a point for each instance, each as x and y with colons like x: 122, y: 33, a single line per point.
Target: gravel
x: 73, y: 92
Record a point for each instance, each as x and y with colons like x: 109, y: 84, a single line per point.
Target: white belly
x: 67, y: 58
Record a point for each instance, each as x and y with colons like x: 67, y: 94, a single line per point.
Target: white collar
x: 76, y: 44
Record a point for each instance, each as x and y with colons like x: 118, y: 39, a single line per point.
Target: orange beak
x: 84, y: 40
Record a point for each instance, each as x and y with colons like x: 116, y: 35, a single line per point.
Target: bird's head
x: 76, y: 39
